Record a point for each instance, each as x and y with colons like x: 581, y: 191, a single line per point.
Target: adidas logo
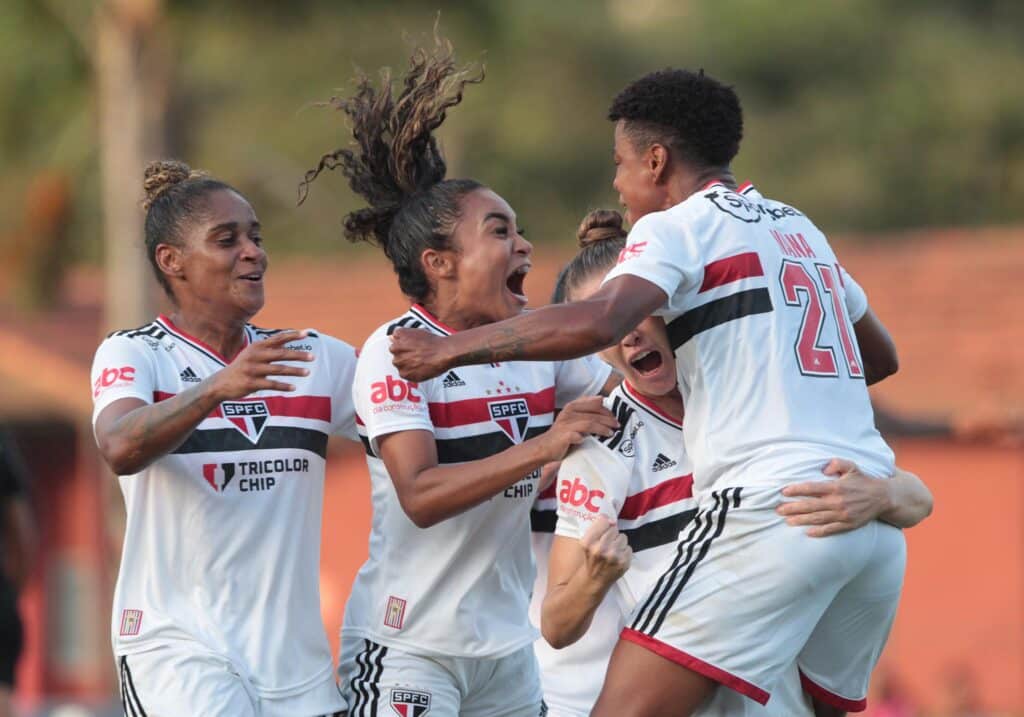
x: 189, y: 375
x: 662, y: 462
x: 452, y: 380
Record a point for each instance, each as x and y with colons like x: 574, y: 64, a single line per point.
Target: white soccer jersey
x: 758, y: 317
x: 639, y: 478
x: 459, y: 588
x: 571, y: 677
x: 222, y: 542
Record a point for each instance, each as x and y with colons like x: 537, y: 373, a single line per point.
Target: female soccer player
x: 218, y: 431
x: 437, y: 618
x: 623, y: 501
x: 773, y: 369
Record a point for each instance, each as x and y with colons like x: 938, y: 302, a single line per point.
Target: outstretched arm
x: 558, y: 332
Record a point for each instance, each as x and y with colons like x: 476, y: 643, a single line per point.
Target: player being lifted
x: 437, y: 617
x: 218, y: 431
x: 622, y: 501
x: 773, y: 374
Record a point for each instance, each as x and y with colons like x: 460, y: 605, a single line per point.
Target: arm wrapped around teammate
x: 854, y: 499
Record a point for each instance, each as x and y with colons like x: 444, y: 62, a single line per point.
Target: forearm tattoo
x: 506, y: 345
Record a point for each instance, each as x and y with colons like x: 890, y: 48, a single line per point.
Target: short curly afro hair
x: 690, y: 112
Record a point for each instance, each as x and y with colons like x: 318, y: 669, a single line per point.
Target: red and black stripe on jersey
x: 727, y: 308
x: 472, y: 411
x: 213, y: 440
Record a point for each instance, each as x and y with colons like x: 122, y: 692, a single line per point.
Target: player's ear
x: 438, y: 264
x: 657, y: 162
x: 170, y: 260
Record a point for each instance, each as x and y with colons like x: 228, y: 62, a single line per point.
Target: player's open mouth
x: 514, y: 282
x: 647, y: 362
x: 255, y: 276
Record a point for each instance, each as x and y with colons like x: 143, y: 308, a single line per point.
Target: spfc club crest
x: 249, y: 417
x: 410, y: 703
x: 512, y: 417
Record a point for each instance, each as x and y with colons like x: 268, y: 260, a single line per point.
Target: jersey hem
x: 415, y: 649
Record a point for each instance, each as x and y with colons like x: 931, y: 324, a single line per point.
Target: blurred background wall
x: 899, y: 127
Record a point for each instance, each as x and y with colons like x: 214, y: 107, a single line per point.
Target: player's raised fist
x: 252, y: 369
x: 606, y: 551
x: 417, y: 354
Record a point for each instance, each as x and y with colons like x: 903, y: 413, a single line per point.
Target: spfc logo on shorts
x: 512, y: 417
x: 249, y: 417
x: 410, y: 703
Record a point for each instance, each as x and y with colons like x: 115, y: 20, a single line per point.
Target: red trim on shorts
x: 831, y: 698
x: 666, y: 492
x: 730, y: 269
x: 699, y: 666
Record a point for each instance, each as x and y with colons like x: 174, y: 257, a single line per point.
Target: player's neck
x: 225, y: 336
x: 671, y: 404
x: 685, y: 182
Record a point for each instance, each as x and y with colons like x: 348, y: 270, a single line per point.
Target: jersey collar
x: 742, y: 189
x: 427, y: 317
x: 649, y: 406
x: 198, y: 345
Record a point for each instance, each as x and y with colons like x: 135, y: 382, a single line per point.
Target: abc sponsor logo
x: 578, y: 495
x: 112, y: 377
x: 394, y: 394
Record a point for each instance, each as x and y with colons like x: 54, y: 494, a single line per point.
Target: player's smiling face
x: 635, y: 180
x: 644, y: 356
x: 223, y: 261
x: 491, y: 259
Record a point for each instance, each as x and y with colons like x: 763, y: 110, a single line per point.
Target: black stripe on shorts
x: 692, y: 550
x: 129, y: 697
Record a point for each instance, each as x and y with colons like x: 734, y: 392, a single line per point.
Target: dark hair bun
x: 163, y: 174
x: 600, y: 225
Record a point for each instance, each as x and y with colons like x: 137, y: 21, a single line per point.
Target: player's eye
x: 521, y: 232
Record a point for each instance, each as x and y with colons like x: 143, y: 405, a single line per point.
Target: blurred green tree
x: 867, y: 115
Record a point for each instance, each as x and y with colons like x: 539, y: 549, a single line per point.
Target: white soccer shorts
x: 747, y: 595
x: 175, y: 681
x: 379, y: 680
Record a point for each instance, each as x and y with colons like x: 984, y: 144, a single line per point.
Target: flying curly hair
x: 690, y: 112
x: 395, y: 163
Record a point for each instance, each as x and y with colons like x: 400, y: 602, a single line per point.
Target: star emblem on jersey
x: 249, y: 417
x: 452, y: 380
x: 662, y: 462
x: 218, y: 475
x: 512, y: 416
x: 410, y: 703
